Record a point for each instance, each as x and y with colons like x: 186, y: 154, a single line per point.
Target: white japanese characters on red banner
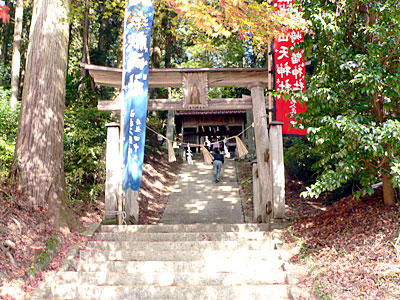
x: 289, y: 74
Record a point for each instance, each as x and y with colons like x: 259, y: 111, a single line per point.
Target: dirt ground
x: 351, y: 247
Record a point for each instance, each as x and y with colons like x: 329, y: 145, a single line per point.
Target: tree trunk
x: 16, y: 58
x: 40, y: 137
x: 388, y: 191
x: 85, y: 47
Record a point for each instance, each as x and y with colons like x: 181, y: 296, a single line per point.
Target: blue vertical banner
x: 139, y: 18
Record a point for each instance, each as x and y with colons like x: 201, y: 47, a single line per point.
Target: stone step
x: 173, y: 279
x: 186, y: 228
x: 225, y: 199
x: 182, y: 246
x: 186, y: 236
x: 173, y: 255
x: 152, y: 267
x: 171, y: 292
x: 223, y: 189
x: 199, y: 218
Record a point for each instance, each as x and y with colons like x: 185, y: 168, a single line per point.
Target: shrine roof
x: 208, y: 112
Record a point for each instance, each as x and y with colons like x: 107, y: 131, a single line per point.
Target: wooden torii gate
x: 269, y: 180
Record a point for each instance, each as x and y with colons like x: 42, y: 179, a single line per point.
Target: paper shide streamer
x: 189, y: 155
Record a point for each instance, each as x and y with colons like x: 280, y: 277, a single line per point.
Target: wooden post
x: 256, y: 193
x: 170, y: 126
x: 270, y: 65
x: 277, y: 169
x: 198, y: 137
x: 121, y: 151
x: 113, y: 169
x: 251, y: 147
x: 262, y: 150
x: 131, y: 207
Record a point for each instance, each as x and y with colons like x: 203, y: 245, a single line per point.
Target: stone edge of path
x: 44, y: 289
x: 294, y: 272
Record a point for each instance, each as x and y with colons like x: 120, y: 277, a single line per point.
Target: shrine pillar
x: 170, y: 126
x: 262, y: 151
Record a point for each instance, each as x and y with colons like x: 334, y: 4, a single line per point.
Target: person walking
x: 217, y: 164
x: 216, y: 145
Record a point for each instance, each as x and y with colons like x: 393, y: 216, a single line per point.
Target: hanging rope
x: 208, y: 158
x: 243, y: 131
x: 171, y: 152
x: 241, y: 148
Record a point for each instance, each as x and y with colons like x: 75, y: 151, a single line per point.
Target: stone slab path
x: 198, y: 199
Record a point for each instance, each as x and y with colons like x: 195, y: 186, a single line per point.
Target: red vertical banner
x: 289, y: 74
x: 4, y: 16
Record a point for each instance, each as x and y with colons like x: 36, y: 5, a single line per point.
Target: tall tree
x: 110, y: 25
x: 354, y: 96
x: 40, y: 138
x: 85, y: 47
x: 16, y: 57
x: 250, y: 19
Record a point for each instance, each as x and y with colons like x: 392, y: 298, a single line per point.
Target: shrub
x: 84, y: 148
x: 300, y: 159
x: 8, y: 131
x: 302, y: 163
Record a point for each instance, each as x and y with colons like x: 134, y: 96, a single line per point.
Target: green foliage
x: 353, y: 96
x: 8, y: 131
x: 254, y: 21
x: 302, y: 163
x: 300, y: 159
x: 156, y: 121
x: 4, y: 71
x: 84, y: 147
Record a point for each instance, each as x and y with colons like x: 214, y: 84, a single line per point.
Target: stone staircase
x: 193, y: 261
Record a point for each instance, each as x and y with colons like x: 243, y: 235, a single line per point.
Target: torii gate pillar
x: 262, y: 151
